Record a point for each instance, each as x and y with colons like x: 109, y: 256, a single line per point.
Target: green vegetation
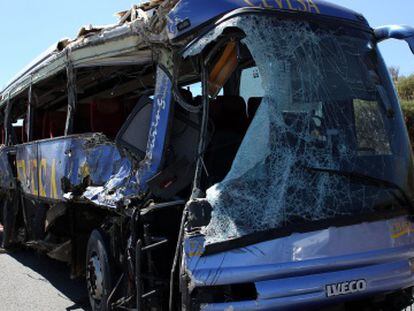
x: 408, y: 107
x: 405, y: 88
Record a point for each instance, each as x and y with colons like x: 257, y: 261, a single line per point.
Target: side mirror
x: 398, y: 32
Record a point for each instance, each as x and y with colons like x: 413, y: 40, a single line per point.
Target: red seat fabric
x: 54, y: 124
x: 107, y: 116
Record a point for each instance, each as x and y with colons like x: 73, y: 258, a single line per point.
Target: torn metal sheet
x: 114, y: 43
x: 69, y: 165
x: 125, y: 184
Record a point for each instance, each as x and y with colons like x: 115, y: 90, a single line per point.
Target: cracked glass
x: 326, y: 135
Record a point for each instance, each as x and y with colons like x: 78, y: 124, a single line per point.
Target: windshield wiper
x: 368, y: 180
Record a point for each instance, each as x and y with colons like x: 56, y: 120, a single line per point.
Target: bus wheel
x: 98, y: 272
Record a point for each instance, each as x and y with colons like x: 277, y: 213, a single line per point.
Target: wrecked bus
x: 216, y: 155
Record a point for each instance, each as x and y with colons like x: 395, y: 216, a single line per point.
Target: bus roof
x: 119, y: 43
x: 191, y: 14
x: 122, y: 42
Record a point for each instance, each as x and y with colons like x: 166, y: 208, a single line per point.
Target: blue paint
x: 50, y: 168
x: 158, y: 130
x: 199, y: 12
x: 27, y: 173
x: 293, y: 272
x: 396, y: 32
x: 71, y: 158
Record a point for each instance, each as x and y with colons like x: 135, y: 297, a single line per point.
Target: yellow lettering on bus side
x: 279, y: 3
x: 84, y: 170
x: 33, y: 174
x: 302, y: 2
x: 42, y: 176
x: 313, y: 5
x: 21, y: 170
x: 249, y: 3
x: 265, y: 4
x: 289, y: 4
x: 53, y: 187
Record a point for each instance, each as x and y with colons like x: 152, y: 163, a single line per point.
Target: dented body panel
x: 91, y: 167
x: 293, y: 272
x: 50, y: 168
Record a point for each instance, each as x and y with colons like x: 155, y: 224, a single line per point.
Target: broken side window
x: 49, y: 106
x: 305, y: 154
x: 108, y: 95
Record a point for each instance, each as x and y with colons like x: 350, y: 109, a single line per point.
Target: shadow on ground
x: 57, y: 274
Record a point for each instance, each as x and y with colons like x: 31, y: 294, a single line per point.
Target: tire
x: 99, y: 276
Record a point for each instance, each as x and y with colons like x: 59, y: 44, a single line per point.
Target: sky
x: 28, y: 27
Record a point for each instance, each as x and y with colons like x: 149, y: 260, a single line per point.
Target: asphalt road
x: 29, y: 281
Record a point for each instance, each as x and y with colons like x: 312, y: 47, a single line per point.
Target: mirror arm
x: 398, y: 32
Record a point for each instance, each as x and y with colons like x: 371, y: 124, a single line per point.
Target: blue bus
x: 216, y: 155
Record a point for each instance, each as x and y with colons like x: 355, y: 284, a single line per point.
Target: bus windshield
x: 326, y: 112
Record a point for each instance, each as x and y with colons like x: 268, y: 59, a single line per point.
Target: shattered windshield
x: 325, y: 106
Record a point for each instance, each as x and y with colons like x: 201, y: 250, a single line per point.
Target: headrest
x: 186, y: 95
x: 252, y: 105
x: 198, y: 100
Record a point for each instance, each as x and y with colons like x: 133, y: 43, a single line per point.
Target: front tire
x: 98, y: 271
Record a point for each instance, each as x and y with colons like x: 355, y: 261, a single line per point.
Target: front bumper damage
x: 313, y: 269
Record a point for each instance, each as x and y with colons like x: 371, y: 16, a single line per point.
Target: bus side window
x: 134, y: 133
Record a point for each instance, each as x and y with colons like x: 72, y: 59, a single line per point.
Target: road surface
x: 29, y: 281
